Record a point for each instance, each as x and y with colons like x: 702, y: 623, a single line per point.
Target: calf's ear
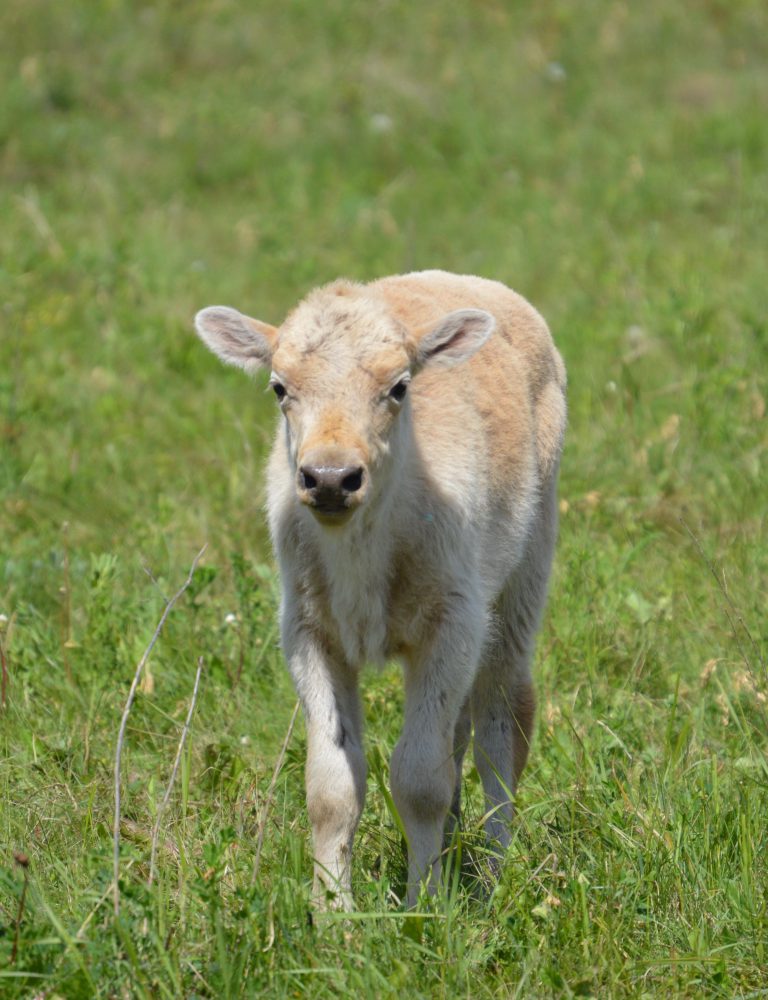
x: 455, y: 338
x: 235, y: 338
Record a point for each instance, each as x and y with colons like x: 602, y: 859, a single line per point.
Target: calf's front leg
x: 423, y: 770
x: 335, y: 768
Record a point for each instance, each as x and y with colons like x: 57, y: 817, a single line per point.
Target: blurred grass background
x: 607, y: 160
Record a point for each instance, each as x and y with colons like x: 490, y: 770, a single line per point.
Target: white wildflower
x: 381, y: 123
x: 555, y: 72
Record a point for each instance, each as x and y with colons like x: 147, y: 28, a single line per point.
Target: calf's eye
x: 279, y: 391
x: 398, y: 391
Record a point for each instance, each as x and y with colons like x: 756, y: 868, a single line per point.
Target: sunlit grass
x: 610, y: 163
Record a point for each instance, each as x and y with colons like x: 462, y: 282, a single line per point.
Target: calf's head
x: 340, y: 368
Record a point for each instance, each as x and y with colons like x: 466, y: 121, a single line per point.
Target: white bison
x: 411, y: 497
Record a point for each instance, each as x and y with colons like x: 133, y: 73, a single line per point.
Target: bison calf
x: 411, y: 498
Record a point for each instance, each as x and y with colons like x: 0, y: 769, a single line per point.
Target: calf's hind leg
x: 503, y: 706
x: 503, y: 698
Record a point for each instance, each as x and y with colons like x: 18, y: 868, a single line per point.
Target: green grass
x: 608, y: 160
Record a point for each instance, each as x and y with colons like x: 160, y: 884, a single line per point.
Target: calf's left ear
x: 455, y: 338
x: 235, y: 338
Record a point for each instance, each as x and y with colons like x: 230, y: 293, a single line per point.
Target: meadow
x: 609, y: 161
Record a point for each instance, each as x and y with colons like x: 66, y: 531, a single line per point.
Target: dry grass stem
x: 95, y: 909
x: 271, y: 792
x: 124, y: 722
x: 174, y: 771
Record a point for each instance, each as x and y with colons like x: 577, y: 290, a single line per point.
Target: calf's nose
x: 329, y: 486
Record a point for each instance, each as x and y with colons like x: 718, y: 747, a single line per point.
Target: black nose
x: 329, y: 486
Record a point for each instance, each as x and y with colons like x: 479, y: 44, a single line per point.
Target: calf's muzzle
x: 330, y: 489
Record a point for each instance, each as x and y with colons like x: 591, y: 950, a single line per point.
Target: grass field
x: 609, y: 161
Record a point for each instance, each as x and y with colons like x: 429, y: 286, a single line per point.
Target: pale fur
x: 444, y: 562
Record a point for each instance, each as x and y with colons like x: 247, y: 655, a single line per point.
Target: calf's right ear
x: 235, y: 338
